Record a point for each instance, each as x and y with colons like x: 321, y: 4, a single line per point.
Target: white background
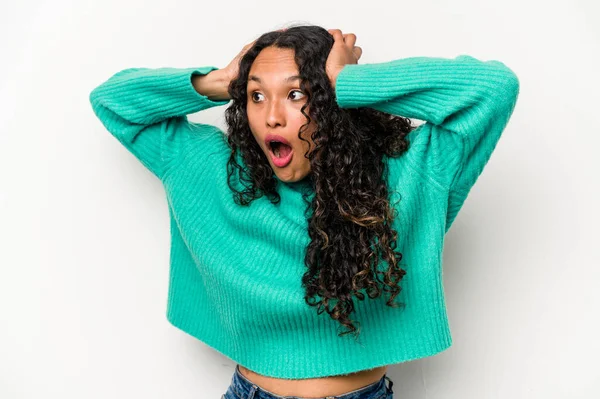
x: 84, y: 234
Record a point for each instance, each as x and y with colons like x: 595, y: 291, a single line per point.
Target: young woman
x: 293, y: 224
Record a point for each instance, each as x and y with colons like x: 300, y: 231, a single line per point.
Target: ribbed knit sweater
x: 235, y: 271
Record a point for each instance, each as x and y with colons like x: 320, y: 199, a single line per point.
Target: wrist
x: 213, y: 85
x: 221, y: 82
x: 333, y: 77
x: 222, y: 77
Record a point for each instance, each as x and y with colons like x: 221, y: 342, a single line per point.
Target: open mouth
x: 281, y: 153
x: 280, y: 150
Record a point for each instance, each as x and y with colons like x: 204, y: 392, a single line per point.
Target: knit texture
x: 235, y: 271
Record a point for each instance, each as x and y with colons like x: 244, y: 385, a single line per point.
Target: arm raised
x: 466, y: 103
x: 145, y: 109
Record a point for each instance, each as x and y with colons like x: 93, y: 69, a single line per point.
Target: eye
x: 255, y: 93
x: 252, y: 96
x: 297, y: 91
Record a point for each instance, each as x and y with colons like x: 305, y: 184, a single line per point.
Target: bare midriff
x: 315, y: 387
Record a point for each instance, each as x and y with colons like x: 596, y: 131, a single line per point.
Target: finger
x: 357, y: 52
x: 337, y: 34
x: 350, y: 39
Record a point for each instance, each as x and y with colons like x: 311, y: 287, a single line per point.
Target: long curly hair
x: 349, y: 216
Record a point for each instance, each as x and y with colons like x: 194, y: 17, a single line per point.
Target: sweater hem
x: 338, y: 366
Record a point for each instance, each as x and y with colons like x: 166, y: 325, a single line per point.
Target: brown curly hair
x: 349, y: 216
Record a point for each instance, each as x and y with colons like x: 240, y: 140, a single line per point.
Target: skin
x: 273, y: 106
x: 274, y: 103
x: 315, y: 387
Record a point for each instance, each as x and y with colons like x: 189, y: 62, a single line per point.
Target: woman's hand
x: 215, y: 84
x: 342, y: 52
x: 230, y: 72
x: 232, y: 69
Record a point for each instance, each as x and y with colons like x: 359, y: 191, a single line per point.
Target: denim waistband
x: 245, y: 389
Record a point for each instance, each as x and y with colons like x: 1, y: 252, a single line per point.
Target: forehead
x: 273, y: 62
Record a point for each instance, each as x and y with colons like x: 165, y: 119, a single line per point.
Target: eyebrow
x: 286, y: 80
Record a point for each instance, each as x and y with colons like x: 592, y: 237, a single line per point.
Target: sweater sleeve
x: 145, y: 109
x: 465, y: 102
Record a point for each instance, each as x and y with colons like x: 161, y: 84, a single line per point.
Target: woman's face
x: 273, y: 108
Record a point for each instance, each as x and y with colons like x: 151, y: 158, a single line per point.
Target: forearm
x: 213, y: 85
x: 467, y: 103
x: 462, y: 94
x: 144, y: 107
x: 144, y: 96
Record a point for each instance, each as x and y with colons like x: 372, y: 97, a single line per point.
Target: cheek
x: 299, y: 120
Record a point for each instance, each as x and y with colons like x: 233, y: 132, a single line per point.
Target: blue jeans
x: 242, y: 388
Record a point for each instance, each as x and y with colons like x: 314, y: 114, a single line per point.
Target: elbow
x: 92, y: 97
x: 512, y: 88
x: 510, y: 83
x: 95, y: 96
x: 95, y: 101
x: 506, y: 87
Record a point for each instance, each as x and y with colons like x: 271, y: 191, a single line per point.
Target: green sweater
x: 235, y: 272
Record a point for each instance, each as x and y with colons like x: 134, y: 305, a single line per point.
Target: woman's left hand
x: 342, y: 52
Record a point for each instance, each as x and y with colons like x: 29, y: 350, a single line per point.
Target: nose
x: 275, y: 114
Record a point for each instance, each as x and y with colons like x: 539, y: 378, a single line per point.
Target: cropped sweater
x: 235, y: 271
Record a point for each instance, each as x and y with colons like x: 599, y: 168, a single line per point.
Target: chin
x: 294, y: 179
x: 285, y: 179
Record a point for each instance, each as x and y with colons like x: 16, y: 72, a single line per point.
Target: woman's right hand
x: 215, y: 84
x: 231, y: 70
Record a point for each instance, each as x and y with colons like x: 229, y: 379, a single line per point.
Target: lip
x: 279, y: 162
x: 275, y: 137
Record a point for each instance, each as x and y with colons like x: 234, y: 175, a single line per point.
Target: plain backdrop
x: 84, y: 234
